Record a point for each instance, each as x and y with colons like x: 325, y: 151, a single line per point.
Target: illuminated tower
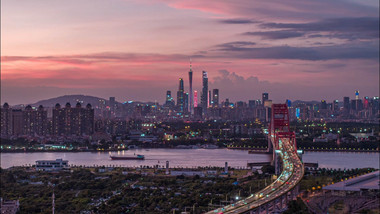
x: 191, y: 90
x: 204, y: 92
x: 356, y: 94
x: 180, y: 98
x: 195, y: 99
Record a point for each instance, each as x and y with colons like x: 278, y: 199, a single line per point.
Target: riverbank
x: 58, y: 150
x: 264, y: 150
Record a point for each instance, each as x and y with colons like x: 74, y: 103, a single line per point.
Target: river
x: 190, y: 158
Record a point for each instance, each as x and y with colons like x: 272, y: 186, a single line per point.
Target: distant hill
x: 72, y: 99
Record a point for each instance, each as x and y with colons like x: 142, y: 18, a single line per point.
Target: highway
x: 291, y: 175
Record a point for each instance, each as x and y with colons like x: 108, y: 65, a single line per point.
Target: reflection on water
x: 189, y: 158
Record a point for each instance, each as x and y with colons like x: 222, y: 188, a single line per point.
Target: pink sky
x: 136, y: 50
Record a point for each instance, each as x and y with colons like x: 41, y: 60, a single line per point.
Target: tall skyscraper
x: 191, y: 105
x: 180, y: 98
x: 204, y: 92
x: 209, y: 99
x: 265, y: 97
x: 356, y: 94
x: 186, y: 102
x: 215, y: 97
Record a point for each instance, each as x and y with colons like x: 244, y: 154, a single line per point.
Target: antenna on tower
x: 190, y: 63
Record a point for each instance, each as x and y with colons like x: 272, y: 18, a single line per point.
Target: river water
x: 190, y: 158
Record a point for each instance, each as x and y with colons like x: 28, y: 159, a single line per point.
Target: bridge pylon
x: 279, y: 129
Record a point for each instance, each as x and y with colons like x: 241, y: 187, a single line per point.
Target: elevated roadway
x: 292, y: 169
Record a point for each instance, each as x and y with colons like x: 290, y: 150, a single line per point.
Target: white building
x: 51, y: 165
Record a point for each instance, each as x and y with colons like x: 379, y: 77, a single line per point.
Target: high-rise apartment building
x: 6, y: 121
x: 73, y: 121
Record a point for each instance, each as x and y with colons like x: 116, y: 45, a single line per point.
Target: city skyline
x: 306, y: 51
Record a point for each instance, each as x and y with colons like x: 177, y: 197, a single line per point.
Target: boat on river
x: 135, y: 157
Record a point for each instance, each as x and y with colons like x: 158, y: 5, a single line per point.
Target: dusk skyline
x: 137, y: 50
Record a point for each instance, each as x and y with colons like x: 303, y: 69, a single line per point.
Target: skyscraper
x: 204, y: 92
x: 180, y: 98
x: 265, y: 97
x: 215, y: 97
x: 191, y: 105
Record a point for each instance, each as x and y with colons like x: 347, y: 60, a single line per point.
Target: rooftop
x: 369, y: 181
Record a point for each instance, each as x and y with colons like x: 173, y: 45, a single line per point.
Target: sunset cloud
x: 139, y: 49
